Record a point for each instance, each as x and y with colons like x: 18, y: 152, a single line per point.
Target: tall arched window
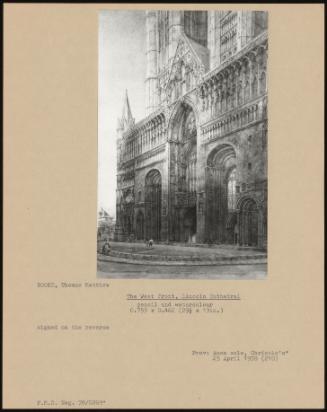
x: 254, y: 86
x: 231, y: 190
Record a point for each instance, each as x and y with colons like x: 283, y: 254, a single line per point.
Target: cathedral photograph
x: 182, y: 147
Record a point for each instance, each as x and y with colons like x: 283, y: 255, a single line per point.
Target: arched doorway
x: 153, y: 205
x: 221, y: 176
x: 139, y: 226
x: 249, y: 223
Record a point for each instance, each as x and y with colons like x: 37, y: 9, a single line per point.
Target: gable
x: 188, y: 66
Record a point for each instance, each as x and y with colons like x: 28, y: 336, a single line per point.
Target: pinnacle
x: 127, y: 113
x: 126, y: 120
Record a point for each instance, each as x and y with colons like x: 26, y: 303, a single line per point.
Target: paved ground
x: 129, y: 271
x: 180, y: 250
x: 114, y: 269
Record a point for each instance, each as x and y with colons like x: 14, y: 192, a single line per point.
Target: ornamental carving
x: 185, y: 73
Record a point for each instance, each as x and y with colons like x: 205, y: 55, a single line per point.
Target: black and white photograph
x: 182, y: 144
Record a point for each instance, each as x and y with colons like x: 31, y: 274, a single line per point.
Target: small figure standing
x: 150, y: 244
x: 106, y: 247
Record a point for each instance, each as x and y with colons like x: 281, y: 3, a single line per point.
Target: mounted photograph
x: 182, y: 144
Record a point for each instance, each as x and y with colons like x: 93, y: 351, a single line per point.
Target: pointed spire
x: 126, y: 119
x: 127, y: 113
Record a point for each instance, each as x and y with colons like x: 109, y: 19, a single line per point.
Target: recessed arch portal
x: 221, y: 155
x: 221, y: 176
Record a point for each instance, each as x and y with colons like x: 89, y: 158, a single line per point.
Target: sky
x: 121, y: 67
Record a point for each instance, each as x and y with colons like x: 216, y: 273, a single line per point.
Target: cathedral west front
x: 194, y: 170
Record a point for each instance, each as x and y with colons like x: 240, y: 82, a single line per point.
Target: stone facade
x: 195, y: 169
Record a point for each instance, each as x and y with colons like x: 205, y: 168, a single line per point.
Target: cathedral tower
x: 174, y: 31
x: 151, y: 52
x: 125, y: 122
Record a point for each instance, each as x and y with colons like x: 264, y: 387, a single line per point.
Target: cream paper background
x: 50, y: 207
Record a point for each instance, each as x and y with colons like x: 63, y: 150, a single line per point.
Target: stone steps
x: 199, y: 245
x: 134, y: 258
